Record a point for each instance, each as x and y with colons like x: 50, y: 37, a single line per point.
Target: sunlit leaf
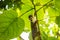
x: 11, y: 25
x: 40, y: 14
x: 52, y: 12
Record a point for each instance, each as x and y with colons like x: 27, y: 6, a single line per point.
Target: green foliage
x: 44, y: 36
x: 52, y: 12
x: 57, y: 4
x: 58, y: 20
x: 11, y: 3
x: 11, y: 25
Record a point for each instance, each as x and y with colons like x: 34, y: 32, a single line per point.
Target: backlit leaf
x: 11, y: 25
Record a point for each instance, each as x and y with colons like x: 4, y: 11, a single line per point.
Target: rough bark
x: 34, y: 28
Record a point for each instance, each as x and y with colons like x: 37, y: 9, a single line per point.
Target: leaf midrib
x: 8, y: 26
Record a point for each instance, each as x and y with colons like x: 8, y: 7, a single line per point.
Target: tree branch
x: 26, y: 12
x: 35, y: 25
x: 38, y: 9
x: 44, y: 5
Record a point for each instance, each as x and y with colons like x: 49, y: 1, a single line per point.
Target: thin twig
x: 26, y: 12
x: 44, y: 5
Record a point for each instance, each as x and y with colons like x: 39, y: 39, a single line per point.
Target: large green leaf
x: 11, y: 25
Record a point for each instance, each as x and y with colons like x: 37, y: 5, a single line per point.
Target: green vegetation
x: 14, y: 19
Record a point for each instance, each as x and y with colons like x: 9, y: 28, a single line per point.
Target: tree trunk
x: 35, y: 30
